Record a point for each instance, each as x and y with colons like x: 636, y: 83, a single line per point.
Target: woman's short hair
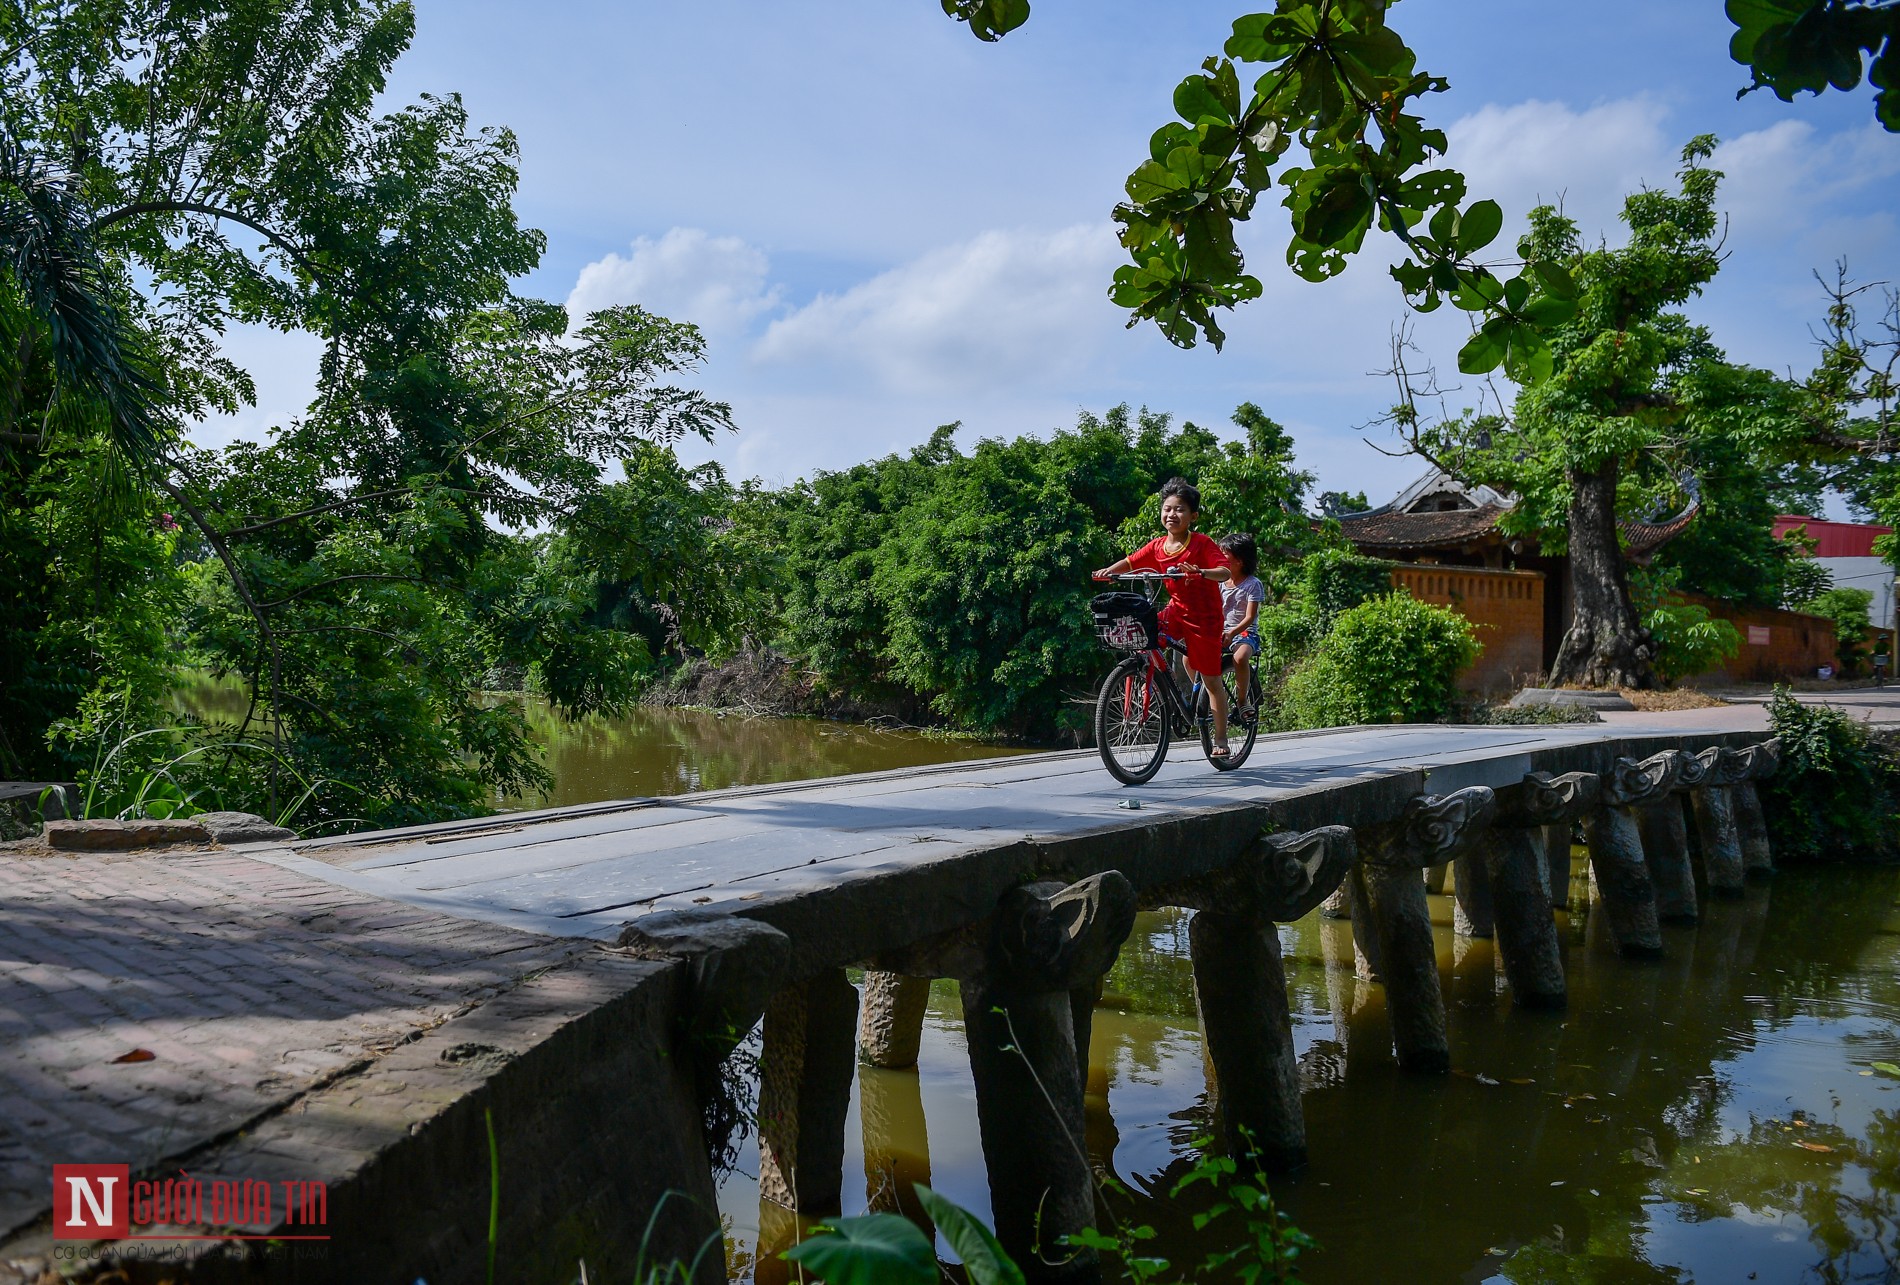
x: 1240, y: 547
x: 1184, y: 490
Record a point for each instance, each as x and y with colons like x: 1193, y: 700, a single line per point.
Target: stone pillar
x: 1750, y: 825
x: 1045, y: 942
x: 1431, y: 830
x: 1472, y: 914
x: 1082, y: 1002
x: 1241, y: 985
x: 1557, y: 864
x: 1716, y: 833
x: 1519, y: 868
x: 1616, y: 851
x: 1435, y: 877
x: 891, y: 1028
x: 1665, y: 836
x: 805, y: 1092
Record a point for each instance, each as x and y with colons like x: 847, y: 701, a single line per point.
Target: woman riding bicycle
x: 1194, y: 613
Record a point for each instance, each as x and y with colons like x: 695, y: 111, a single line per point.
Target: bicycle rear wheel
x: 1241, y: 732
x: 1131, y: 722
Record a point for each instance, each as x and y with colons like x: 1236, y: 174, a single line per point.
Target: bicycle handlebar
x: 1152, y: 575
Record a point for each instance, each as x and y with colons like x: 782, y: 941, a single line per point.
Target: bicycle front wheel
x: 1131, y: 722
x: 1240, y: 731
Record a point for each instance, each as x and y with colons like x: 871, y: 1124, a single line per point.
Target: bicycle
x: 1141, y: 705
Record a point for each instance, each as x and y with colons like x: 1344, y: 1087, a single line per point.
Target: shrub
x: 1391, y: 659
x: 1849, y: 609
x: 1837, y: 793
x: 1334, y: 581
x: 1689, y: 640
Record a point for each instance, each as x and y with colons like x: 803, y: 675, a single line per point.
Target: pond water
x: 1713, y: 1116
x: 671, y: 751
x: 651, y: 751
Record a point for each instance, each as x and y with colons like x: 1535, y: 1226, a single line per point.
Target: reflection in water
x: 650, y: 752
x: 672, y: 751
x: 1712, y: 1116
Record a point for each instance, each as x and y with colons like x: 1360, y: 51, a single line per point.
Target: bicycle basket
x: 1125, y: 621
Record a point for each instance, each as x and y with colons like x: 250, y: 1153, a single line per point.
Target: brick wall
x: 1775, y: 644
x: 1506, y: 609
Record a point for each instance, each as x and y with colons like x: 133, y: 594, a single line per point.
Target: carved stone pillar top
x: 1763, y: 758
x: 1692, y: 773
x: 1432, y: 828
x: 1630, y: 783
x: 1543, y: 799
x: 1722, y: 766
x: 1280, y: 877
x: 1046, y: 937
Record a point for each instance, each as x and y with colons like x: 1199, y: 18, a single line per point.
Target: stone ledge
x: 591, y: 1115
x: 123, y: 836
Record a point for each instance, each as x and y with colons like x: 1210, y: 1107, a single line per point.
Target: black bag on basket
x: 1125, y: 621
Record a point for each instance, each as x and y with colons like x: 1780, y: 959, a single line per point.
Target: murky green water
x: 1711, y: 1117
x: 672, y: 751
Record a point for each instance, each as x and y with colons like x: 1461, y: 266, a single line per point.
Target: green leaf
x: 877, y: 1249
x: 1484, y: 351
x: 1545, y: 312
x: 1479, y: 226
x: 1517, y: 292
x: 1556, y: 279
x: 990, y: 20
x: 983, y: 1259
x: 1196, y: 99
x: 1887, y: 1068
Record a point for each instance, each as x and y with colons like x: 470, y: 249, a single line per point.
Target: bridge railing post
x: 1713, y: 805
x: 1758, y: 861
x: 1519, y: 874
x: 1616, y: 850
x: 1665, y: 835
x: 1240, y: 982
x: 1392, y: 923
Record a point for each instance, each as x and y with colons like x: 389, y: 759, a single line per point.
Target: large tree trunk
x: 1607, y: 645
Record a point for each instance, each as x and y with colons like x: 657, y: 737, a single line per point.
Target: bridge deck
x: 587, y: 871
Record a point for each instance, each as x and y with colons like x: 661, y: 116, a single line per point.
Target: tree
x: 1635, y: 391
x: 1343, y: 84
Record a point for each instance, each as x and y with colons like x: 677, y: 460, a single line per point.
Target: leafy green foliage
x: 1391, y: 659
x: 1849, y: 610
x: 1836, y: 794
x: 983, y: 1258
x: 1808, y: 46
x: 1333, y: 581
x: 876, y: 1249
x: 88, y: 602
x: 1689, y: 640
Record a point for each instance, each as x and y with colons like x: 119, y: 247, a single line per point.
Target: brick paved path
x: 249, y: 983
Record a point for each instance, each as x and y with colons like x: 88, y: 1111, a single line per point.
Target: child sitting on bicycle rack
x: 1193, y: 613
x: 1242, y: 597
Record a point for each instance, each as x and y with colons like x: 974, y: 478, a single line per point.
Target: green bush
x: 1837, y: 793
x: 1390, y: 659
x: 1539, y: 715
x: 1850, y: 610
x: 1334, y: 581
x: 1689, y: 640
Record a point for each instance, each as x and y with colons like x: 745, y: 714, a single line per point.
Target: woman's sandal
x: 1219, y: 752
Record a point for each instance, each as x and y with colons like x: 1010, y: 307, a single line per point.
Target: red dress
x: 1193, y: 613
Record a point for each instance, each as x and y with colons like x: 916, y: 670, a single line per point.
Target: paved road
x: 587, y: 871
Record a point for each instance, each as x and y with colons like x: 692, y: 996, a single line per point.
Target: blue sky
x: 883, y: 224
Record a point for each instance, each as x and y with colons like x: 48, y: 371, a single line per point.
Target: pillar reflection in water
x: 896, y: 1140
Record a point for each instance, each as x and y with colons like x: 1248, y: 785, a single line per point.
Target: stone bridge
x: 687, y: 921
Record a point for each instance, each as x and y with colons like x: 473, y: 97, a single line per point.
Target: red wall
x: 1506, y: 609
x: 1834, y: 539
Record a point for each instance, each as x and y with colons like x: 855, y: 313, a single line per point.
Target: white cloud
x: 1005, y: 308
x: 1538, y: 152
x: 718, y: 283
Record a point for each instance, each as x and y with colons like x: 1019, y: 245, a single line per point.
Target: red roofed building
x: 1846, y: 549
